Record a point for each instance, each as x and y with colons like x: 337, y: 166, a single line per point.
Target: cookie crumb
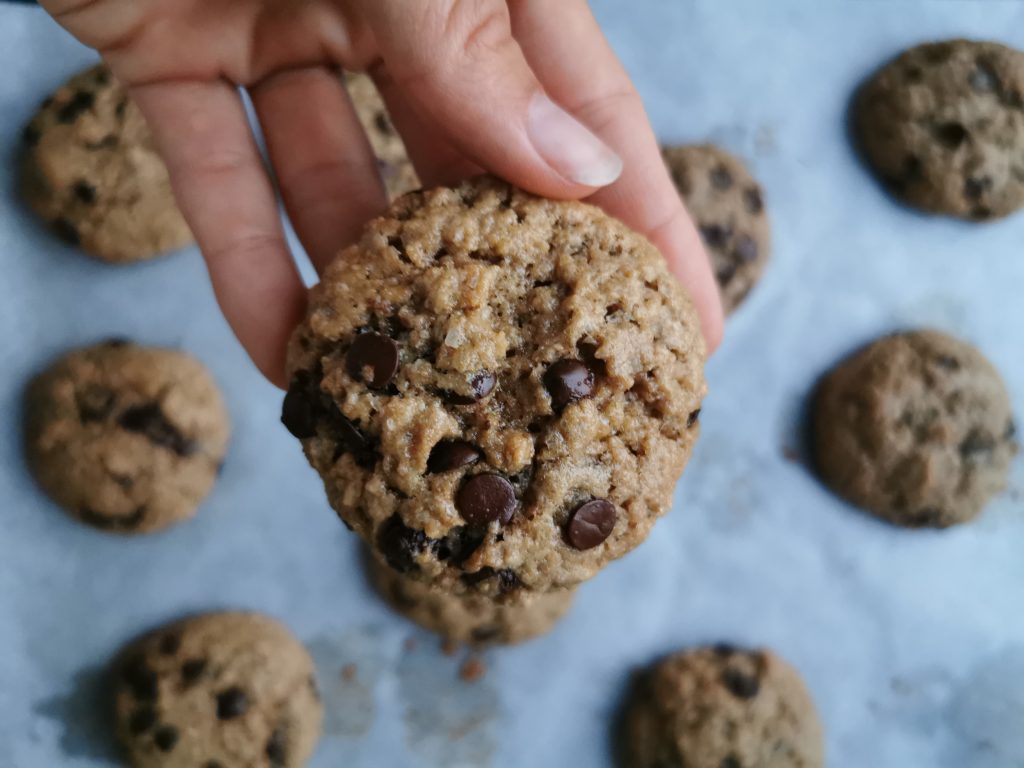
x: 472, y: 669
x: 449, y: 647
x: 349, y: 672
x: 409, y: 644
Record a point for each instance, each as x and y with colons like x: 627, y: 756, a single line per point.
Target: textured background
x: 913, y: 643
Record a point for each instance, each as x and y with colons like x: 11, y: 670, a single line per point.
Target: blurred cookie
x: 916, y: 428
x: 723, y: 708
x: 943, y: 127
x: 474, y: 619
x: 727, y: 206
x: 225, y: 690
x: 126, y: 438
x: 394, y: 164
x: 90, y: 170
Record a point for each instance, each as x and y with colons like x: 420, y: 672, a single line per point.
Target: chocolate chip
x: 150, y: 422
x: 481, y: 384
x: 730, y: 761
x: 81, y: 102
x: 400, y: 544
x: 740, y: 685
x: 125, y: 522
x: 232, y: 703
x: 721, y: 178
x: 951, y: 134
x: 31, y: 135
x: 568, y: 381
x: 459, y: 545
x: 1011, y: 430
x: 591, y: 524
x: 723, y: 650
x: 947, y: 362
x: 122, y: 106
x: 66, y: 231
x: 212, y: 764
x: 277, y: 748
x: 693, y: 418
x: 983, y: 79
x: 981, y: 212
x: 746, y: 248
x: 169, y: 644
x: 141, y: 720
x: 452, y: 454
x: 300, y: 407
x: 974, y: 188
x: 753, y: 199
x: 141, y: 679
x: 165, y: 738
x: 476, y: 577
x: 192, y: 670
x: 716, y: 235
x: 94, y: 403
x: 485, y: 634
x: 372, y: 358
x: 977, y: 446
x: 725, y: 274
x: 381, y: 121
x: 485, y: 498
x: 84, y: 191
x: 929, y: 516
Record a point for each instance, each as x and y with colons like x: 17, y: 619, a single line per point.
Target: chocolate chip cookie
x: 727, y: 205
x: 90, y: 170
x: 127, y: 438
x: 395, y: 167
x: 723, y: 708
x: 499, y: 391
x: 943, y: 126
x: 474, y: 619
x: 222, y: 690
x: 915, y: 428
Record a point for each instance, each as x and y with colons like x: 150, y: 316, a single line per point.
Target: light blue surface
x: 913, y: 643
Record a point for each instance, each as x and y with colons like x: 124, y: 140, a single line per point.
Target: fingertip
x: 570, y: 148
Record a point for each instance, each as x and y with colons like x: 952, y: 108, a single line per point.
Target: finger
x: 223, y: 190
x: 323, y: 162
x: 436, y: 161
x: 457, y: 64
x: 568, y: 52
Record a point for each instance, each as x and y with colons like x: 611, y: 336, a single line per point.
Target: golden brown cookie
x: 395, y: 167
x: 91, y: 172
x: 499, y: 391
x: 916, y: 428
x: 126, y: 438
x: 222, y: 690
x: 723, y: 708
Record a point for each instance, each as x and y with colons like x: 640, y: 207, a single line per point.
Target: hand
x: 470, y: 84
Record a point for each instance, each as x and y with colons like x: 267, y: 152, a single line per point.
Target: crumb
x: 789, y: 453
x: 348, y: 672
x: 472, y: 669
x: 410, y: 644
x: 449, y: 647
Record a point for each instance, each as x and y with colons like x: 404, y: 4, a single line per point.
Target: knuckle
x: 245, y: 248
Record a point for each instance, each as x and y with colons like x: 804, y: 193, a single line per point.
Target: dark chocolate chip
x: 382, y: 122
x: 977, y: 446
x: 300, y: 407
x: 947, y: 362
x: 125, y: 522
x: 951, y: 134
x: 141, y: 679
x: 84, y: 191
x: 192, y: 670
x: 212, y: 764
x: 141, y: 720
x: 983, y: 79
x: 740, y: 684
x: 730, y: 761
x: 927, y: 517
x: 723, y: 649
x: 981, y: 212
x: 974, y: 188
x: 94, y: 403
x: 373, y: 359
x: 508, y: 580
x: 170, y: 643
x: 102, y: 77
x: 485, y: 634
x: 721, y: 178
x: 452, y: 454
x: 150, y: 422
x: 753, y: 199
x: 121, y: 107
x: 165, y: 738
x: 277, y: 747
x: 693, y: 418
x: 568, y: 381
x: 400, y: 544
x: 232, y: 703
x: 716, y: 235
x: 746, y: 248
x: 725, y: 274
x: 476, y: 577
x: 591, y: 524
x: 31, y: 135
x: 81, y: 102
x: 485, y: 498
x: 480, y: 384
x: 66, y: 231
x: 459, y: 545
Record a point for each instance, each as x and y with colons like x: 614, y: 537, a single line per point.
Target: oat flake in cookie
x: 90, y: 170
x: 915, y: 428
x: 943, y: 126
x: 722, y: 707
x: 394, y: 164
x: 481, y: 368
x: 728, y: 208
x: 221, y: 690
x: 128, y: 439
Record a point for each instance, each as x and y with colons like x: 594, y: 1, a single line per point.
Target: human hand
x: 471, y: 85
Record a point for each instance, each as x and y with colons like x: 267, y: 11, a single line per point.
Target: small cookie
x: 222, y: 690
x: 473, y: 619
x: 90, y: 170
x: 723, y: 708
x: 727, y: 206
x: 915, y: 428
x: 395, y: 167
x: 126, y: 438
x: 943, y: 126
x: 499, y: 391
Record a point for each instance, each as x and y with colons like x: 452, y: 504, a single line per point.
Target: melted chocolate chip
x: 125, y: 522
x: 746, y: 248
x: 721, y: 178
x: 373, y: 359
x: 169, y: 644
x: 277, y: 747
x: 951, y: 134
x: 753, y: 200
x: 452, y: 454
x: 192, y: 670
x: 481, y: 384
x: 568, y: 381
x: 232, y: 703
x: 400, y: 544
x: 693, y: 418
x: 66, y: 231
x: 84, y: 191
x: 591, y: 524
x: 485, y: 498
x: 740, y: 684
x: 81, y: 102
x: 166, y: 738
x: 459, y: 545
x: 141, y: 679
x: 141, y: 720
x: 716, y: 235
x: 150, y: 422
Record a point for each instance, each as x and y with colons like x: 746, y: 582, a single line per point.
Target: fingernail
x: 568, y: 146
